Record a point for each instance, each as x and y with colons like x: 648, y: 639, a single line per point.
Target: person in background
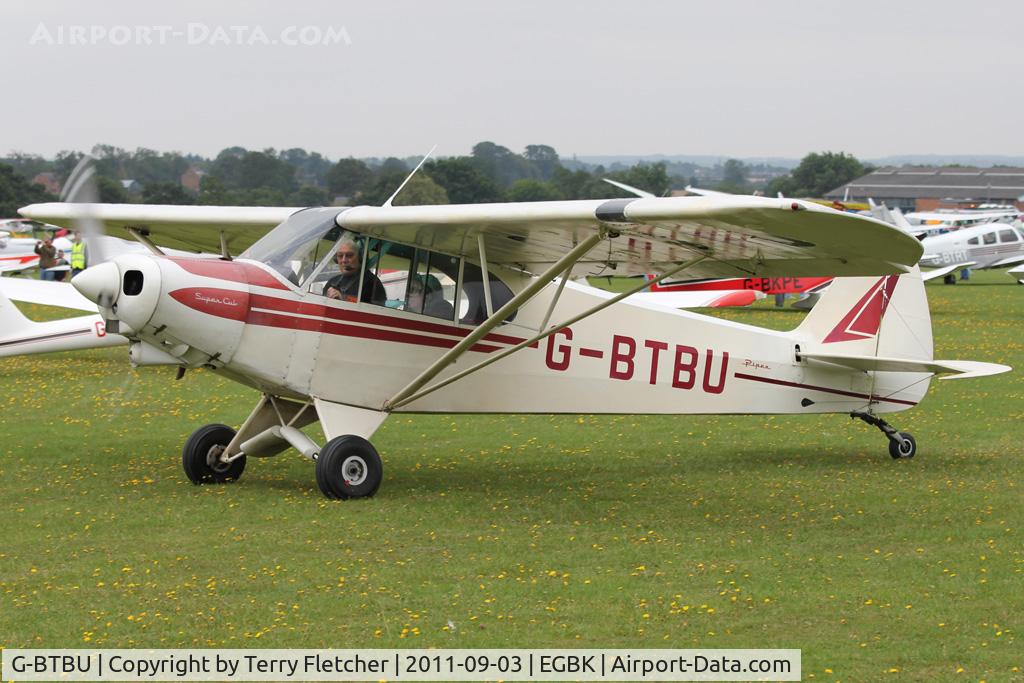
x: 59, y: 273
x: 47, y: 259
x: 78, y: 256
x: 426, y: 296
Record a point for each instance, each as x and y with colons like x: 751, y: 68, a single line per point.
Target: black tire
x: 949, y: 279
x: 349, y: 467
x: 199, y: 456
x: 907, y: 450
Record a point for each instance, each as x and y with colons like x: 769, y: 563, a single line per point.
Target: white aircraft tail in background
x: 20, y: 336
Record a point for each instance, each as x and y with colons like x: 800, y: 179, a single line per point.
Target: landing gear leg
x: 901, y: 444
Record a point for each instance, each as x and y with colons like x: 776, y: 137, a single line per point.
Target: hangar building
x: 921, y: 188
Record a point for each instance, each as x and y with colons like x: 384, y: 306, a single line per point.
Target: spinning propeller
x: 99, y: 282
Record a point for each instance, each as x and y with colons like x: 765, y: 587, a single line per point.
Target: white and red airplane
x: 515, y: 335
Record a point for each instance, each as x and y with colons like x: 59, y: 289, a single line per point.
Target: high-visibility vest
x: 78, y: 255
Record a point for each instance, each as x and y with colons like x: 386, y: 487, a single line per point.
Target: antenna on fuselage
x: 409, y: 177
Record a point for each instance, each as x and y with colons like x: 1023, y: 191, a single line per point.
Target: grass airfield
x: 532, y: 531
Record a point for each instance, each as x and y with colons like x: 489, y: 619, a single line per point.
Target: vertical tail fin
x: 12, y: 321
x: 861, y: 318
x: 873, y: 316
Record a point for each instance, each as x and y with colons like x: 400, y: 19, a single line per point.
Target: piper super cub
x: 297, y: 312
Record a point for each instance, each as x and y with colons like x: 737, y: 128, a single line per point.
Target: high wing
x: 191, y: 228
x: 734, y: 235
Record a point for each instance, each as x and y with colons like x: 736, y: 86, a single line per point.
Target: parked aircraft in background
x: 991, y: 245
x: 955, y: 220
x: 18, y: 253
x: 20, y: 336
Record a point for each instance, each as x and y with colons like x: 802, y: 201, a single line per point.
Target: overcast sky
x: 737, y: 78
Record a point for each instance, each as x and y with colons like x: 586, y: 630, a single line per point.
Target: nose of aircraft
x: 99, y: 284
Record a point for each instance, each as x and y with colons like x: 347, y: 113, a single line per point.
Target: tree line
x: 296, y: 177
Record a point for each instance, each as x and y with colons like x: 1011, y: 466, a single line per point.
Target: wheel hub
x: 213, y: 460
x: 353, y: 470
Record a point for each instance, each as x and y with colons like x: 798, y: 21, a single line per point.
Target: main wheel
x: 201, y: 456
x: 908, y: 449
x: 949, y: 279
x: 349, y: 467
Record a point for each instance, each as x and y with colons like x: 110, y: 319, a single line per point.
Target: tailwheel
x: 349, y: 467
x: 901, y: 444
x: 201, y: 456
x: 905, y: 449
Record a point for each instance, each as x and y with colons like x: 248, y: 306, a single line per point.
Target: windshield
x: 297, y: 246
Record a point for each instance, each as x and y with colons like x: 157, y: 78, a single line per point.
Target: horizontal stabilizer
x: 958, y: 369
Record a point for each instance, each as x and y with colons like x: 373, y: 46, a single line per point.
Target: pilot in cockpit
x: 345, y: 285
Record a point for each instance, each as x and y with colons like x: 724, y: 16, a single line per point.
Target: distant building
x: 192, y: 179
x: 917, y: 188
x: 48, y: 181
x: 132, y: 187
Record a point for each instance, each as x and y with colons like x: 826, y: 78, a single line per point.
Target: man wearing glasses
x: 345, y: 285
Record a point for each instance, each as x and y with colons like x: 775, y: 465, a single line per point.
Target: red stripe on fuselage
x: 233, y: 271
x: 291, y: 322
x: 325, y: 311
x: 247, y: 273
x: 239, y: 305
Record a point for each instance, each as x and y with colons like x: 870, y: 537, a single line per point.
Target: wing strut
x: 487, y: 276
x: 450, y: 356
x: 404, y: 397
x: 143, y: 238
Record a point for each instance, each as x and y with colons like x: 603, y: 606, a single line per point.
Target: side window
x: 343, y: 276
x: 474, y: 310
x: 390, y: 263
x: 1008, y: 236
x: 989, y: 238
x: 415, y: 280
x: 431, y: 288
x: 973, y: 240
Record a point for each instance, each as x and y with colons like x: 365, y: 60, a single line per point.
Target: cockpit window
x: 475, y: 309
x: 297, y: 246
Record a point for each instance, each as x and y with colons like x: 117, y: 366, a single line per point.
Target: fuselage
x: 249, y: 322
x: 988, y: 246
